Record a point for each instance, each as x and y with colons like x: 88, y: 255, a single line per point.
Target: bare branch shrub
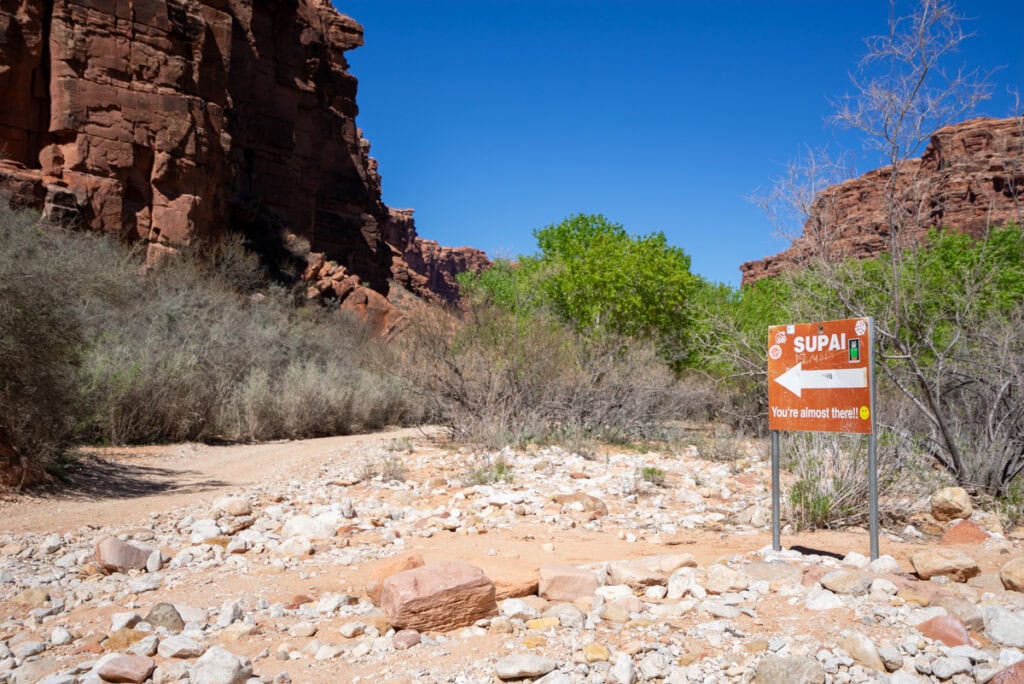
x: 830, y: 472
x: 197, y: 347
x: 497, y: 378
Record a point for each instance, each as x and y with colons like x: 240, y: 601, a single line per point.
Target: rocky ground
x: 383, y: 561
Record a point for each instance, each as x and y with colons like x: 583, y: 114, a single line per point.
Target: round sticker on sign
x: 865, y: 413
x: 861, y: 327
x: 775, y: 352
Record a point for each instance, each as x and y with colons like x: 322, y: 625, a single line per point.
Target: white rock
x: 523, y: 665
x: 229, y: 612
x: 652, y: 665
x: 656, y: 592
x: 819, y: 598
x: 622, y: 671
x: 146, y: 646
x: 60, y: 636
x: 945, y: 668
x: 517, y: 608
x: 155, y: 561
x: 202, y: 530
x: 218, y: 666
x: 884, y: 565
x: 327, y: 651
x: 1003, y: 627
x: 295, y: 546
x: 321, y: 527
x: 856, y: 560
x: 351, y: 630
x: 179, y: 646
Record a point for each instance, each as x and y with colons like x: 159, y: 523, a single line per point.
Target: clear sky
x: 495, y: 117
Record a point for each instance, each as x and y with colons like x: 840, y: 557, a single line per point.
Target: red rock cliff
x: 970, y: 177
x: 168, y: 120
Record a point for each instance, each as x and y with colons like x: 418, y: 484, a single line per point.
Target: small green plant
x: 488, y: 471
x: 656, y: 476
x: 402, y: 444
x: 392, y: 469
x: 811, y: 506
x: 1011, y: 506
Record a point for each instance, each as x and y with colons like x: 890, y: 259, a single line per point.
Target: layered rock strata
x: 171, y: 120
x: 970, y: 177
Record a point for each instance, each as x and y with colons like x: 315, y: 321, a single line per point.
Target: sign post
x: 821, y: 378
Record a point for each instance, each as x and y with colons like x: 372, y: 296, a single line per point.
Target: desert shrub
x: 200, y: 346
x: 41, y: 343
x: 1010, y: 506
x: 194, y: 358
x: 652, y: 474
x: 496, y: 378
x: 487, y: 469
x: 830, y: 478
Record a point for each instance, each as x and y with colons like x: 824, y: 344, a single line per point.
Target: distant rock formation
x: 970, y: 177
x: 171, y: 120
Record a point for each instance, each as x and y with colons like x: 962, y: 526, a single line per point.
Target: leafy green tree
x: 597, y: 277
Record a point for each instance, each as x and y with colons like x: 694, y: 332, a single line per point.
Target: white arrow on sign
x: 796, y: 379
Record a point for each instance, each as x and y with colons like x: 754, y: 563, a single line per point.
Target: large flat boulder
x: 438, y: 597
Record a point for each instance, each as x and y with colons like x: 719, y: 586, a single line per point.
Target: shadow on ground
x: 94, y: 477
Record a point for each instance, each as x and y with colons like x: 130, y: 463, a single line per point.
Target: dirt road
x: 110, y: 486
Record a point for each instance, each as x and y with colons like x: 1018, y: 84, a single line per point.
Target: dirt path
x: 113, y: 486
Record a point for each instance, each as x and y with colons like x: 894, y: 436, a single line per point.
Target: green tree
x: 595, y: 276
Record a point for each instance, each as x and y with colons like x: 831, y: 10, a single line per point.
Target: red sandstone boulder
x: 964, y: 532
x: 391, y: 566
x: 438, y: 597
x: 1014, y: 674
x: 127, y: 668
x: 946, y: 629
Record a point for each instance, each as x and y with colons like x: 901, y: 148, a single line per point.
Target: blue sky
x: 495, y: 117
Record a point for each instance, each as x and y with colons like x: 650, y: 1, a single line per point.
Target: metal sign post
x: 821, y: 378
x: 872, y: 447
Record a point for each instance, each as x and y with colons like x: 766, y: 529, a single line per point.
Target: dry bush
x: 200, y: 347
x: 830, y: 472
x: 496, y: 378
x: 40, y: 348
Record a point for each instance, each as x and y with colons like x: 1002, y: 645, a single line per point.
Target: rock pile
x: 571, y: 572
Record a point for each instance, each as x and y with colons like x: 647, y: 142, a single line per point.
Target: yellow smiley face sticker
x: 865, y: 413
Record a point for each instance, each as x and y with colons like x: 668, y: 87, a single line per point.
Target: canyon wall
x: 169, y: 121
x: 970, y: 177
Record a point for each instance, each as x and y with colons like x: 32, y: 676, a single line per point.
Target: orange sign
x: 819, y: 377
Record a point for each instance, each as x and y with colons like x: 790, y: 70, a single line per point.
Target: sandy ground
x: 117, y: 485
x: 117, y: 488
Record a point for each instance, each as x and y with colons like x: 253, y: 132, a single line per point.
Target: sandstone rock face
x: 970, y: 177
x: 423, y: 266
x: 438, y: 597
x: 169, y: 120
